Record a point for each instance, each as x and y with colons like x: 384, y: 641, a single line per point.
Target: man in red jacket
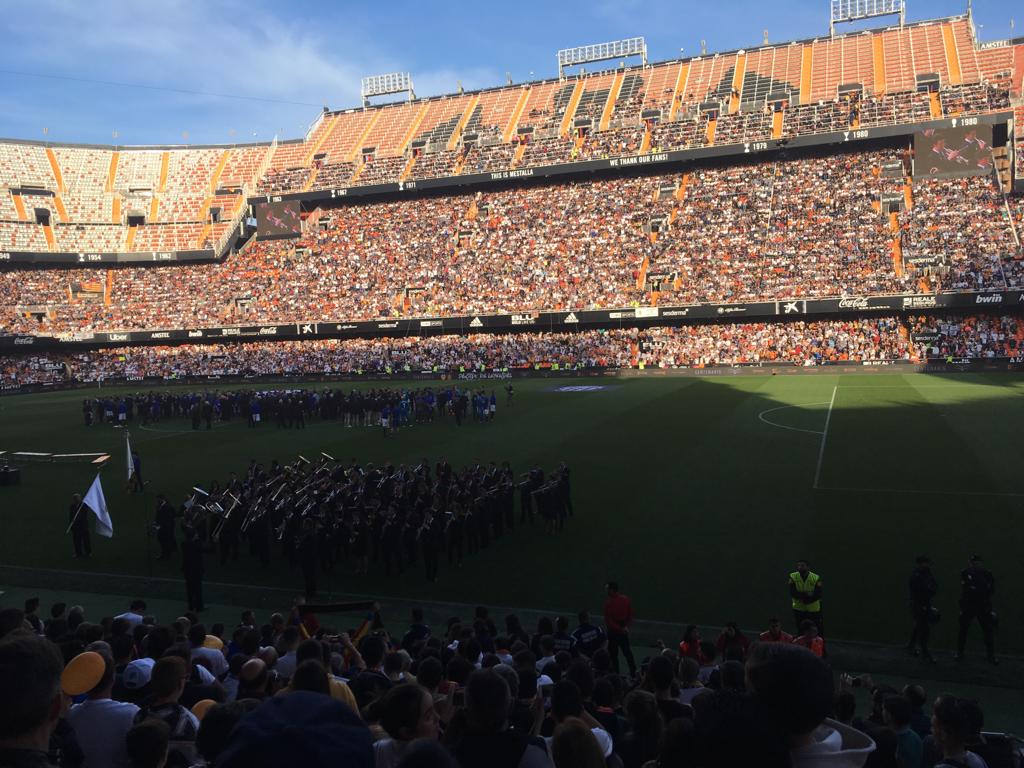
x: 618, y: 618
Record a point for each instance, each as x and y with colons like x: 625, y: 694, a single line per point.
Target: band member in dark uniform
x: 923, y: 587
x: 165, y: 515
x: 78, y: 517
x: 308, y: 551
x: 193, y: 568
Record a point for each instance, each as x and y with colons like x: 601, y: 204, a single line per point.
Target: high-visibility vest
x: 807, y: 587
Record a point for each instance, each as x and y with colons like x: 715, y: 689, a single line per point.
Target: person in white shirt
x: 204, y: 649
x: 135, y: 613
x: 101, y: 724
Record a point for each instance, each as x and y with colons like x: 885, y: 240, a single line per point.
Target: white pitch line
x: 920, y: 492
x: 783, y: 426
x: 824, y: 436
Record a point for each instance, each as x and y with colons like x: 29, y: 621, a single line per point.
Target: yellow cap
x: 83, y: 673
x: 201, y: 707
x: 212, y: 641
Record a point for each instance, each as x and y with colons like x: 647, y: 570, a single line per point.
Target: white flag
x: 128, y: 451
x: 95, y: 501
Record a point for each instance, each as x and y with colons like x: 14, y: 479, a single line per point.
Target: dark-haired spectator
x: 31, y: 606
x: 920, y: 723
x: 618, y: 618
x: 643, y: 729
x: 690, y: 645
x: 166, y: 685
x: 689, y: 684
x: 407, y: 713
x: 952, y: 730
x: 148, y: 744
x: 567, y: 703
x: 794, y: 690
x: 11, y: 620
x: 896, y: 711
x: 659, y: 679
x: 485, y: 741
x: 587, y: 638
x: 574, y: 745
x: 216, y: 727
x: 30, y: 699
x: 209, y: 649
x: 310, y: 676
x: 417, y: 633
x: 371, y: 683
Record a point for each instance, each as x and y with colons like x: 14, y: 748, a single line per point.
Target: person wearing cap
x: 30, y: 699
x: 100, y: 724
x: 923, y: 587
x: 977, y: 586
x: 618, y: 618
x: 805, y: 593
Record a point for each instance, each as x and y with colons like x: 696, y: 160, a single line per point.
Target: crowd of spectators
x: 132, y: 691
x: 800, y: 343
x: 810, y: 226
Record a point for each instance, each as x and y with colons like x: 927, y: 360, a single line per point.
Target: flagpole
x: 75, y: 518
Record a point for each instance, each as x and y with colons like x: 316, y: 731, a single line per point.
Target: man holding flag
x: 95, y: 503
x: 134, y: 466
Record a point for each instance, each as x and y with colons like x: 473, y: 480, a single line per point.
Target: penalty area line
x: 824, y: 436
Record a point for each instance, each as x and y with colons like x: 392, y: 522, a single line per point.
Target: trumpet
x: 223, y: 521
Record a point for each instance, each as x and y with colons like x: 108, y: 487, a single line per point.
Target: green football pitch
x: 696, y: 493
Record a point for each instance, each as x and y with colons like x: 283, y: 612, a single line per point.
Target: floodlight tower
x: 384, y: 85
x: 618, y: 49
x: 844, y: 11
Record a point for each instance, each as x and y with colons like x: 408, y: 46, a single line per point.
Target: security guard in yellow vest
x: 805, y: 590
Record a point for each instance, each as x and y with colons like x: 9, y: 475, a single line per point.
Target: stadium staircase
x: 681, y: 80
x: 897, y: 247
x: 518, y: 158
x: 453, y: 140
x: 570, y: 109
x: 357, y: 146
x: 710, y: 136
x: 409, y: 165
x: 517, y: 113
x: 737, y: 83
x: 806, y: 62
x: 218, y: 170
x: 609, y: 106
x: 51, y: 242
x: 645, y: 143
x: 935, y: 104
x: 112, y: 172
x: 55, y: 167
x: 952, y: 55
x: 777, y: 120
x: 115, y: 209
x: 62, y: 212
x: 1001, y: 161
x: 878, y: 64
x: 165, y: 159
x: 19, y: 207
x: 129, y: 240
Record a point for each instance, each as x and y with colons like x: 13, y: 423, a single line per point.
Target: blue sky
x: 288, y: 59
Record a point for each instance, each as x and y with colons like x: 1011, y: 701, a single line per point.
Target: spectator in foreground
x: 167, y: 683
x: 951, y: 728
x: 302, y: 729
x: 897, y: 713
x: 794, y: 694
x: 147, y: 744
x: 407, y: 715
x: 30, y: 699
x: 574, y: 745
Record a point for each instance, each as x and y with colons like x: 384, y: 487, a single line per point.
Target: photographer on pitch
x: 923, y: 587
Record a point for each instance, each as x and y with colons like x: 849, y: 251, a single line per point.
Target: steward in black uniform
x: 78, y: 518
x: 165, y: 528
x: 977, y: 585
x: 193, y: 568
